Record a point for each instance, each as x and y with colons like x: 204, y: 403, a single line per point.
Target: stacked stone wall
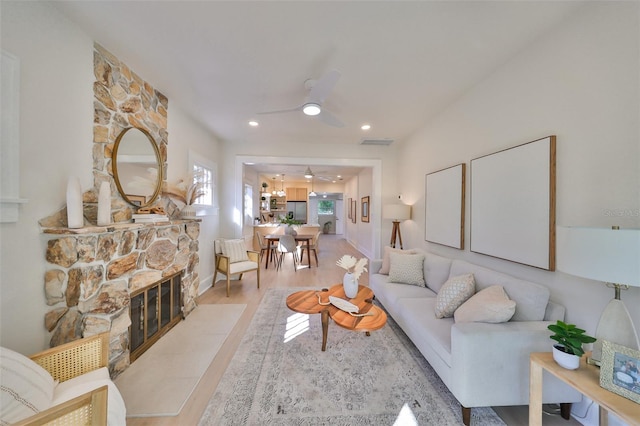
x: 90, y: 277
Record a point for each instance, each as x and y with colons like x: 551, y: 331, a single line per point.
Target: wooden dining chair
x: 264, y: 246
x: 313, y: 246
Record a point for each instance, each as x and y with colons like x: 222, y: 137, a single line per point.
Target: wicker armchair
x: 65, y: 362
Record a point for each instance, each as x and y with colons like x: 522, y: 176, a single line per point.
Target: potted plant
x: 286, y: 220
x: 568, y: 350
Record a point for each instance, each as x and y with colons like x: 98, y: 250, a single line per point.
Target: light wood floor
x: 332, y: 247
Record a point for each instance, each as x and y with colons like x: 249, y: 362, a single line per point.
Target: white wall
x: 187, y: 135
x: 579, y: 81
x: 56, y: 134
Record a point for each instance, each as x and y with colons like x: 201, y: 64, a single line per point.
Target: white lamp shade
x: 602, y: 254
x: 396, y: 211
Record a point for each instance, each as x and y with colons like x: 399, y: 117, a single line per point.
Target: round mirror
x: 137, y: 167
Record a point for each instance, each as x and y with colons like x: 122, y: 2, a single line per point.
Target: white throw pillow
x: 453, y: 294
x: 25, y: 387
x: 386, y: 261
x: 488, y: 305
x: 407, y: 269
x: 235, y: 249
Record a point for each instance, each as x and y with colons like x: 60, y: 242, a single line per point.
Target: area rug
x: 279, y: 376
x: 161, y: 380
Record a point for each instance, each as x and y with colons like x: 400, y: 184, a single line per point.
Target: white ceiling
x: 401, y: 62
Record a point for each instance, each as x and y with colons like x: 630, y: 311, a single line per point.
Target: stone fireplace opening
x: 154, y: 310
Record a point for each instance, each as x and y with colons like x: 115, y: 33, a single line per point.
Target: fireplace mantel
x: 112, y: 227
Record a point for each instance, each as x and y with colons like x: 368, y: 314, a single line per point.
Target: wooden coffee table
x: 313, y: 302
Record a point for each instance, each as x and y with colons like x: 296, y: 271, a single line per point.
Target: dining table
x: 305, y: 239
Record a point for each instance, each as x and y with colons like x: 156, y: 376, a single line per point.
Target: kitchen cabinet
x: 296, y: 194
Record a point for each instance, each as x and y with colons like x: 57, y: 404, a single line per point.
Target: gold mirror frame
x: 114, y: 166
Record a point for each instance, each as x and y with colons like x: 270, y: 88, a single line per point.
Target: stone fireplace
x: 92, y: 271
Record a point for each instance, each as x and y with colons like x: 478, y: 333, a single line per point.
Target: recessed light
x: 253, y: 123
x: 365, y: 126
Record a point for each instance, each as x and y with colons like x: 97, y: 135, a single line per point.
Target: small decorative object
x: 188, y: 191
x: 75, y: 214
x: 354, y: 269
x: 188, y: 212
x: 568, y: 350
x: 104, y: 204
x: 620, y: 370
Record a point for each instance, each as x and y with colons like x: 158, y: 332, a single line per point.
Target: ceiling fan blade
x: 327, y: 118
x: 298, y: 108
x: 323, y: 87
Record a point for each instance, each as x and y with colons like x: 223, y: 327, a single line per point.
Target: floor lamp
x: 397, y: 213
x: 610, y: 255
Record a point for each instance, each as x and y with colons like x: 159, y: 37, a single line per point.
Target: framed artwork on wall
x: 350, y: 209
x: 513, y: 204
x: 354, y: 208
x: 444, y: 206
x: 365, y: 209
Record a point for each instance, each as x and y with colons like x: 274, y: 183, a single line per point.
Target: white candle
x: 75, y: 213
x: 104, y: 204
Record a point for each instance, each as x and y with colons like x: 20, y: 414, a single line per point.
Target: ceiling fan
x: 318, y: 92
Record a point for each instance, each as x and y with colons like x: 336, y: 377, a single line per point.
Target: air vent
x: 380, y: 142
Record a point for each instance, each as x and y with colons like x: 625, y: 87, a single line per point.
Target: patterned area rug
x: 279, y: 376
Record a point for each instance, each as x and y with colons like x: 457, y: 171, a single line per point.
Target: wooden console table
x: 586, y: 380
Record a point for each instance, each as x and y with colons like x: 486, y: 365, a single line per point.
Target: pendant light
x: 281, y: 193
x: 275, y: 191
x: 312, y: 193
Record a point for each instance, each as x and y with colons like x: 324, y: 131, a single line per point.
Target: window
x: 327, y: 207
x: 204, y: 175
x: 205, y: 171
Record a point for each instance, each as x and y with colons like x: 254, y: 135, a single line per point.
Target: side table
x: 586, y: 380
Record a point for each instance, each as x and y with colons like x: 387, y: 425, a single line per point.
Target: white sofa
x: 482, y: 364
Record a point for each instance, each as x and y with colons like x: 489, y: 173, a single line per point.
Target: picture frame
x: 513, y: 201
x: 138, y: 200
x: 364, y: 213
x: 444, y: 210
x: 350, y: 209
x: 620, y: 370
x: 354, y: 207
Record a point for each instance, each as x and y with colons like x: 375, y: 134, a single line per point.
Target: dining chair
x: 287, y: 244
x: 264, y: 246
x: 313, y: 246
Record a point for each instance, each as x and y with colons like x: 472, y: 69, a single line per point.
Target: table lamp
x: 397, y: 213
x: 611, y: 255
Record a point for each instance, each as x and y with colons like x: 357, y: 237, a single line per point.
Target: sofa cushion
x: 116, y: 410
x: 25, y: 387
x: 488, y: 305
x: 531, y: 298
x: 386, y: 261
x: 419, y: 322
x: 453, y: 294
x: 406, y: 269
x: 436, y: 271
x: 235, y: 249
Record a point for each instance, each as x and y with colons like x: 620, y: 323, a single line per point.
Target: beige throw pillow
x: 488, y: 305
x: 386, y: 261
x: 453, y: 294
x: 235, y: 249
x: 407, y: 269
